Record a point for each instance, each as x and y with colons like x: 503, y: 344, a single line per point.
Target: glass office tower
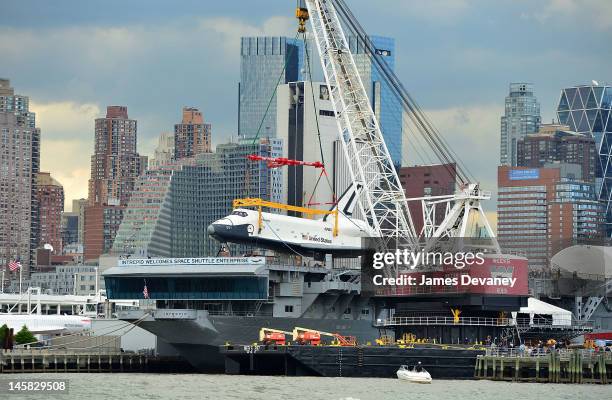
x: 265, y: 62
x: 385, y: 104
x: 587, y: 110
x: 262, y: 60
x: 521, y: 117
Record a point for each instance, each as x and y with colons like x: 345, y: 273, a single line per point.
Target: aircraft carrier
x: 197, y: 305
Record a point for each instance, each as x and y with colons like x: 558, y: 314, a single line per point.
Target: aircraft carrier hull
x: 197, y: 336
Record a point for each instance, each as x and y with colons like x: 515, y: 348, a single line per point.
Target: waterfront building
x: 172, y: 206
x: 427, y: 180
x: 19, y: 166
x: 587, y: 109
x: 115, y: 166
x: 521, y: 117
x: 557, y: 143
x: 543, y: 210
x: 164, y: 152
x: 61, y: 279
x: 50, y: 200
x: 192, y: 136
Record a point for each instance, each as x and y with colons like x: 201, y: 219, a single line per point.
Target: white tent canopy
x: 539, y: 309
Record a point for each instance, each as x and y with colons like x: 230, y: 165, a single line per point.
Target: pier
x: 44, y: 360
x: 569, y: 366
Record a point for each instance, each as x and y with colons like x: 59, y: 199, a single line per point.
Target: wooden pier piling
x: 572, y: 366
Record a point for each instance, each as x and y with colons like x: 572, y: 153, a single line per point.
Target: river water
x: 225, y: 387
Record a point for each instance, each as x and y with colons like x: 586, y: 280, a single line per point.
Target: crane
x: 369, y: 162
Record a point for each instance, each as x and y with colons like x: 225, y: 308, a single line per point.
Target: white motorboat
x: 416, y: 374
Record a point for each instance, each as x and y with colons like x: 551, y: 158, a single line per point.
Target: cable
x: 438, y: 144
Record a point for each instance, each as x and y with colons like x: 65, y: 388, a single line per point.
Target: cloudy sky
x: 456, y: 57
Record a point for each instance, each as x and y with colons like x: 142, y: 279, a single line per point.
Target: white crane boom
x: 383, y: 200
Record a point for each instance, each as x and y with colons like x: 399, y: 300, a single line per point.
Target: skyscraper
x: 521, y: 117
x: 115, y: 166
x: 265, y: 63
x: 50, y: 196
x: 192, y: 135
x: 587, y: 109
x: 385, y: 104
x: 543, y: 210
x: 19, y: 165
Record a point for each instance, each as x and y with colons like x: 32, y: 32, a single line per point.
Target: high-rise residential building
x: 19, y: 166
x: 521, y: 117
x: 385, y: 103
x: 115, y: 166
x: 427, y: 180
x: 192, y: 136
x: 557, y: 143
x: 308, y: 130
x: 50, y: 196
x: 172, y: 206
x: 164, y: 152
x: 265, y: 62
x: 543, y: 210
x: 587, y: 109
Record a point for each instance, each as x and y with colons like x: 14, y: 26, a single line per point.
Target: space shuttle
x: 46, y: 324
x: 288, y: 234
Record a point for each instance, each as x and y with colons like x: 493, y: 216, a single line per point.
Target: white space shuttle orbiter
x: 308, y: 237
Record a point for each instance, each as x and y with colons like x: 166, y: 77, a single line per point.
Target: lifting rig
x: 382, y: 201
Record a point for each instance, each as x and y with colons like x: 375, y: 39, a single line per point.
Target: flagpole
x: 20, y: 268
x: 2, y: 281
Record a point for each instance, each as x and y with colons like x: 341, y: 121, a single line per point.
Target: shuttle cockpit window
x: 240, y: 213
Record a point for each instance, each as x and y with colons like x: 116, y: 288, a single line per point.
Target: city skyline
x: 104, y: 66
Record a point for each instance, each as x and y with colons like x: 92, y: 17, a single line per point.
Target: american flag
x: 145, y: 291
x: 14, y: 265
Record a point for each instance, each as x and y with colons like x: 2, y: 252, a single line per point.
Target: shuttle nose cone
x: 210, y: 230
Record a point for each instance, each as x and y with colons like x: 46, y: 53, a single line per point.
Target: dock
x: 44, y: 360
x: 567, y: 366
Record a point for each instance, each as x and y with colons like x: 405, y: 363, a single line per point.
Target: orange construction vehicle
x: 313, y: 337
x: 269, y: 336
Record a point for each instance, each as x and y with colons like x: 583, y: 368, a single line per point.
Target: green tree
x: 4, y: 330
x: 24, y: 336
